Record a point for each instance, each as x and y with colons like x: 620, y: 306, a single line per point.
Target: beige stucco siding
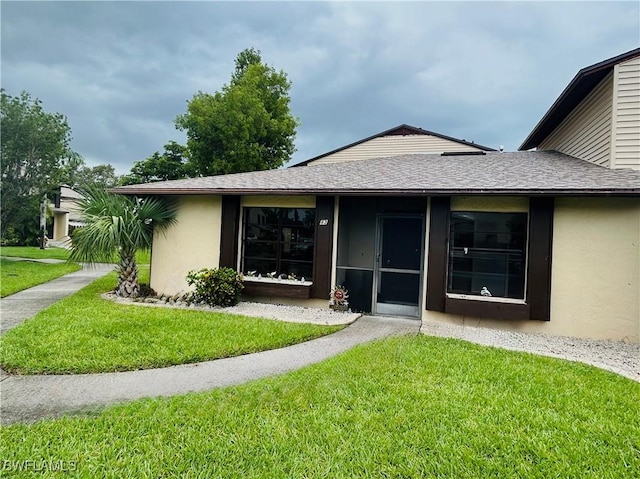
x: 595, y: 282
x: 596, y: 268
x: 60, y: 225
x: 625, y: 141
x: 586, y: 132
x: 279, y: 201
x: 501, y: 204
x: 192, y: 243
x: 394, y: 145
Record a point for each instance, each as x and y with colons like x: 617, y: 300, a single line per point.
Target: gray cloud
x: 122, y: 71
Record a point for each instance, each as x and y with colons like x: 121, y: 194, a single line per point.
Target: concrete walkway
x: 28, y: 398
x: 16, y: 308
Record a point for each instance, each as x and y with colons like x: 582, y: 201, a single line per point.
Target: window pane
x: 280, y: 240
x: 300, y: 269
x: 261, y: 266
x: 261, y: 232
x: 487, y: 250
x: 260, y: 249
x: 297, y: 251
x: 261, y: 216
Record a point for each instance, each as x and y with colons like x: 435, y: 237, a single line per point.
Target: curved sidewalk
x: 28, y: 398
x: 16, y: 308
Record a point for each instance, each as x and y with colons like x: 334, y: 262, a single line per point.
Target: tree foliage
x: 116, y: 227
x: 101, y: 176
x: 35, y: 151
x: 246, y: 126
x: 172, y: 164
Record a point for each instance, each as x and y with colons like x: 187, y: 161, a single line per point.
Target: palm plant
x: 117, y: 226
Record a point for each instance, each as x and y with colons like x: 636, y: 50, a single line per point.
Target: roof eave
x: 572, y: 94
x: 381, y: 192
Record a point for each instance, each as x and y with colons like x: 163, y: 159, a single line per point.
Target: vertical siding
x: 393, y: 145
x: 625, y: 141
x: 586, y: 132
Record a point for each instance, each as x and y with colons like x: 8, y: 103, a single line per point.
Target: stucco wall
x: 192, y: 243
x: 595, y: 283
x: 60, y: 226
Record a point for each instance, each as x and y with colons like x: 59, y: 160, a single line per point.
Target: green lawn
x: 18, y: 275
x: 34, y: 252
x: 85, y: 333
x: 405, y: 407
x: 142, y: 257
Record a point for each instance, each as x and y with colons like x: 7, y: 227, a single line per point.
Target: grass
x: 403, y: 407
x: 86, y: 334
x: 34, y: 252
x: 18, y: 275
x: 142, y: 257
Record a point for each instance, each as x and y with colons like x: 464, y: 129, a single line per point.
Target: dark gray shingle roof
x: 522, y: 172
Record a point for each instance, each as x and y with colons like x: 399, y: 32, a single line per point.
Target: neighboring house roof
x: 403, y: 130
x: 581, y: 85
x: 513, y: 173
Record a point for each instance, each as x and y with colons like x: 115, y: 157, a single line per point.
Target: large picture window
x: 487, y: 254
x: 278, y: 240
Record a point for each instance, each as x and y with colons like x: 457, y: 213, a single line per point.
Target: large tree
x: 172, y: 164
x: 246, y: 126
x: 116, y: 227
x: 35, y: 150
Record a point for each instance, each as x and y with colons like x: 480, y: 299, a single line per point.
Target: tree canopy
x: 35, y: 150
x: 172, y: 164
x: 246, y: 126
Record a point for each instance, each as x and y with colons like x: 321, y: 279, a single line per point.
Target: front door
x: 398, y: 267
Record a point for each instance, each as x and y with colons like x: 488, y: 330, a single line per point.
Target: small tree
x: 116, y: 227
x: 248, y: 126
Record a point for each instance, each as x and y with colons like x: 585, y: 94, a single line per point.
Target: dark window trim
x: 323, y: 248
x: 229, y: 231
x: 538, y: 297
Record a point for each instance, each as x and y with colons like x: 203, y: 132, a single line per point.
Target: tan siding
x: 586, y: 132
x: 395, y: 145
x: 625, y: 141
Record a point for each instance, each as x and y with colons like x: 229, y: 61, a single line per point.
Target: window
x: 487, y: 254
x: 278, y: 240
x: 516, y: 262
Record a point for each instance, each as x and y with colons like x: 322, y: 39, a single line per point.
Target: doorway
x: 398, y: 265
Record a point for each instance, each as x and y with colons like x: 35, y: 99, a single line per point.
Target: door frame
x: 404, y: 311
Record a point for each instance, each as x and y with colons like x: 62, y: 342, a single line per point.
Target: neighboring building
x: 403, y: 139
x: 66, y: 214
x: 597, y: 117
x: 535, y: 241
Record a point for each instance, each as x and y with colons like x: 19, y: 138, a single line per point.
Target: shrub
x: 216, y: 287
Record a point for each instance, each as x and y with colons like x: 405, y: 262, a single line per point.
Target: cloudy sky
x: 482, y: 71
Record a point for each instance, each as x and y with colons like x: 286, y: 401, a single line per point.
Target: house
x: 437, y: 228
x: 66, y: 213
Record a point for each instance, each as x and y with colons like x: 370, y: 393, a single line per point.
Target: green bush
x: 216, y: 287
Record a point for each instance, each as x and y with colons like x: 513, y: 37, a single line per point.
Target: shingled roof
x: 514, y: 173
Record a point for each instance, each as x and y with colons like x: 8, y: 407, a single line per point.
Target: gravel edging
x: 280, y: 312
x: 616, y: 356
